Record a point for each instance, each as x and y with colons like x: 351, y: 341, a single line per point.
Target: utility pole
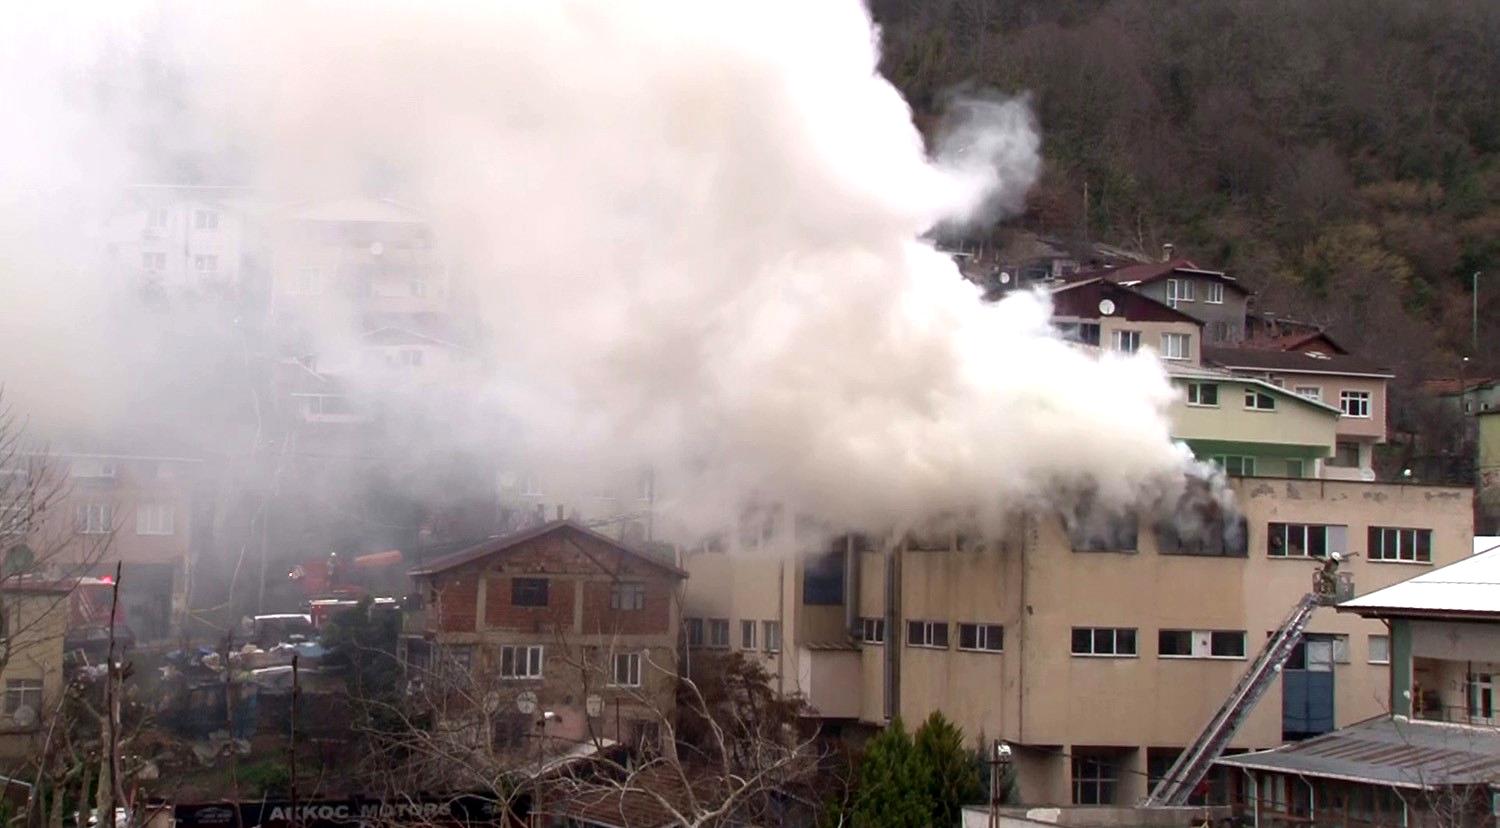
x: 112, y: 713
x: 292, y: 761
x: 1474, y: 314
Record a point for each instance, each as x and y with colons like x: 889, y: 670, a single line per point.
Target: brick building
x: 557, y: 618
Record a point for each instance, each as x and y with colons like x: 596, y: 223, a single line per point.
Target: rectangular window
x: 1203, y: 394
x: 1345, y: 455
x: 626, y: 670
x: 1257, y: 400
x: 627, y: 596
x: 153, y: 262
x: 157, y: 219
x: 718, y: 633
x: 1094, y: 777
x: 1176, y: 346
x: 695, y: 632
x: 872, y: 630
x: 23, y: 693
x: 1126, y: 341
x: 1355, y: 403
x: 1215, y: 293
x: 528, y: 592
x: 772, y: 637
x: 983, y: 637
x: 206, y: 264
x: 205, y: 220
x: 1093, y: 529
x: 1084, y: 333
x: 521, y: 661
x: 1227, y: 644
x: 927, y: 634
x: 823, y: 578
x: 92, y: 469
x: 1305, y: 540
x: 1312, y: 392
x: 1380, y: 649
x: 1388, y: 543
x: 1104, y: 641
x: 1295, y: 468
x: 1480, y: 690
x: 154, y: 519
x: 747, y: 635
x: 93, y: 518
x: 1179, y: 290
x: 1235, y: 465
x: 418, y: 285
x: 409, y: 358
x: 1200, y: 643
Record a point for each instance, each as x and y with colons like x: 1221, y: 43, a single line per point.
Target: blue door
x: 1307, y: 689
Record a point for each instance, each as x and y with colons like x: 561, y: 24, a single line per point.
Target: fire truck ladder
x: 1193, y: 763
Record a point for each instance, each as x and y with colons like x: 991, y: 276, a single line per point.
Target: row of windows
x: 985, y: 638
x: 753, y: 634
x: 527, y: 662
x: 1183, y: 290
x: 1122, y: 642
x: 1283, y: 540
x: 158, y: 219
x: 1173, y: 345
x: 150, y: 519
x: 1206, y: 395
x: 626, y: 596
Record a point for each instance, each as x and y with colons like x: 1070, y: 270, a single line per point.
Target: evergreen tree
x: 952, y: 779
x: 893, y: 790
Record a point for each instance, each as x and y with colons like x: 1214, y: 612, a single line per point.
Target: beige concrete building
x: 1096, y: 665
x: 31, y: 672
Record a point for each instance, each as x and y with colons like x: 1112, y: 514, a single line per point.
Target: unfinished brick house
x: 556, y: 632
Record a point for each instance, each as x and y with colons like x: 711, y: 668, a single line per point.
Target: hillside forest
x: 1340, y: 157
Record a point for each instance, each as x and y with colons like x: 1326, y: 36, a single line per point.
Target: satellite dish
x: 526, y: 702
x: 1004, y: 278
x: 23, y: 716
x: 1106, y: 306
x: 594, y: 704
x: 491, y: 702
x: 376, y: 248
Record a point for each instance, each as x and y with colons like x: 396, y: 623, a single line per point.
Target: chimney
x: 1166, y: 251
x: 559, y: 511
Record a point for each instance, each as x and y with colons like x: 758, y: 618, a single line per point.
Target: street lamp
x: 999, y: 771
x: 1474, y: 315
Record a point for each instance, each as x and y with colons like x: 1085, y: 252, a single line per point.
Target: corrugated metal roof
x: 1393, y: 751
x: 1469, y: 586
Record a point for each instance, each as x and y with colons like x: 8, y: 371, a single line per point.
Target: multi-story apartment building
x: 31, y: 670
x: 1099, y: 653
x: 1357, y: 387
x: 564, y: 619
x: 186, y: 238
x: 105, y: 508
x: 1209, y: 296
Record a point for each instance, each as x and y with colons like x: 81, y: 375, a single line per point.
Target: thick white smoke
x: 692, y: 227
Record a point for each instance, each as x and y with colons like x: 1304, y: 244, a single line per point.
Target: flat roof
x: 1469, y: 586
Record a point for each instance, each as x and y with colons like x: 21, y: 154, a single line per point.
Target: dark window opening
x: 528, y: 592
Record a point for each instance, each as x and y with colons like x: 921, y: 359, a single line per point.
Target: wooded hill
x: 1342, y: 158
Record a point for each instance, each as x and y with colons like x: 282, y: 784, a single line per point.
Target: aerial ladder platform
x: 1329, y: 587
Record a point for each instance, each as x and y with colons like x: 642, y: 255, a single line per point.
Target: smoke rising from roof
x: 692, y: 230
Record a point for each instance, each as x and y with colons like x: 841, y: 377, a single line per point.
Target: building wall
x: 1037, y: 693
x: 472, y: 610
x: 1151, y: 335
x: 1223, y: 324
x: 36, y: 654
x: 1330, y: 385
x: 1291, y: 423
x: 176, y: 245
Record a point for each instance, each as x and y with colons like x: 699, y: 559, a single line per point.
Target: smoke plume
x: 692, y: 231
